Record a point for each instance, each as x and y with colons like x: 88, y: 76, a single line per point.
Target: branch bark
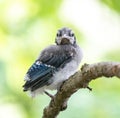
x: 79, y: 80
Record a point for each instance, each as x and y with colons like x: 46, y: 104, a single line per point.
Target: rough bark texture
x: 79, y: 80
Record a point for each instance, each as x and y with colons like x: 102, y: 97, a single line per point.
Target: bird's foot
x: 48, y: 94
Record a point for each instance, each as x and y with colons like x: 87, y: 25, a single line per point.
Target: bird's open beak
x: 65, y: 41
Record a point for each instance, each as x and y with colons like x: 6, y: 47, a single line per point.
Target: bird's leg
x: 51, y: 96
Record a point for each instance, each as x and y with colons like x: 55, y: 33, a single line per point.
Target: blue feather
x: 39, y: 75
x: 39, y: 70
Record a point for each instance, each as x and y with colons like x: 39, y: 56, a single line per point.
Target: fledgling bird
x: 55, y: 64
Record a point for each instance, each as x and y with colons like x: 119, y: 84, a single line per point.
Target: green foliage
x: 113, y: 55
x: 113, y: 4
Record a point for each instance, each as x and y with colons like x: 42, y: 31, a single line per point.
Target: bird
x: 55, y: 64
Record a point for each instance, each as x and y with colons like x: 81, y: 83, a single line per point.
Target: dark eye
x: 59, y: 34
x: 72, y: 34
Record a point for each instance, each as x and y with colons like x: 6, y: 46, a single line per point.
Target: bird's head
x: 65, y: 36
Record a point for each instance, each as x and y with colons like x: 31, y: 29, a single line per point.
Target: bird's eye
x: 59, y: 34
x: 72, y: 34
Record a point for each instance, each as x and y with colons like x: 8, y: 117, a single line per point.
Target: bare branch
x: 79, y: 80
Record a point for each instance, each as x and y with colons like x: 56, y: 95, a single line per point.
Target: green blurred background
x: 27, y: 26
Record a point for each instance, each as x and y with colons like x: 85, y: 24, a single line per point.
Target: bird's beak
x: 65, y: 40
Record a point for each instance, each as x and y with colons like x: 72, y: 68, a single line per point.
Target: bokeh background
x: 27, y: 26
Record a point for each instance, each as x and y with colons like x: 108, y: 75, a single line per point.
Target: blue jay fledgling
x: 55, y: 64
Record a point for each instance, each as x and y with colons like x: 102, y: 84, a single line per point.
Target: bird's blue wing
x: 38, y: 75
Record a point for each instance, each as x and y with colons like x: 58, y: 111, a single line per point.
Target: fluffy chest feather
x: 64, y: 73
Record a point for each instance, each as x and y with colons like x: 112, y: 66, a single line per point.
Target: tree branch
x: 79, y: 80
